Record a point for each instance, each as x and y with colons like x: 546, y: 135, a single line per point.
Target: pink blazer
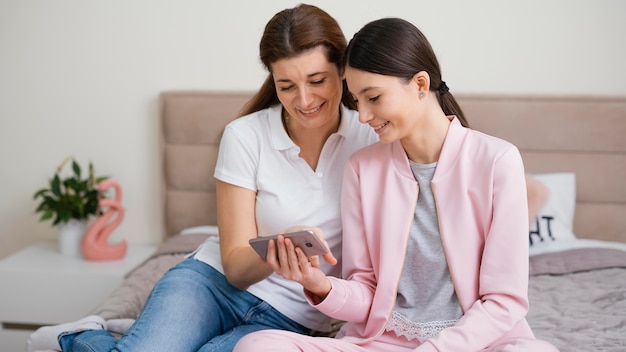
x: 480, y: 193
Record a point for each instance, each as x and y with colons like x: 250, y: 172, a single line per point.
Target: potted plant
x: 69, y: 202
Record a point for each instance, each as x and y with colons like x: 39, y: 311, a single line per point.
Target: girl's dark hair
x: 395, y: 47
x: 290, y: 33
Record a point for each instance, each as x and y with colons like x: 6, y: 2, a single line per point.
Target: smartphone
x: 305, y: 240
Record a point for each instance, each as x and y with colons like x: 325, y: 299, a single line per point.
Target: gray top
x: 426, y: 301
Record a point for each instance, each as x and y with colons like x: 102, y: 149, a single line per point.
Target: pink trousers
x: 279, y: 341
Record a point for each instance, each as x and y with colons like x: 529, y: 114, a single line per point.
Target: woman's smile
x: 312, y: 112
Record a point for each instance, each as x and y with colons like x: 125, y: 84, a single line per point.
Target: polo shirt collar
x: 280, y: 139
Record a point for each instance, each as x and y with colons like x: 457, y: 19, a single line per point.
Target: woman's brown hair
x: 290, y: 33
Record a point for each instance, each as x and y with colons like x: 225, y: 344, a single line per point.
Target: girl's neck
x: 424, y: 145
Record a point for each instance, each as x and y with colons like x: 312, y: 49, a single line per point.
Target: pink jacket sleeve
x: 351, y: 299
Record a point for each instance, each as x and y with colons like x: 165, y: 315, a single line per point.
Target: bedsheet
x: 578, y: 299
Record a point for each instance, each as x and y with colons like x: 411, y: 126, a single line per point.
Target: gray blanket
x: 578, y: 299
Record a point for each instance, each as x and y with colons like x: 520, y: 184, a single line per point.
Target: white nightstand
x: 40, y: 286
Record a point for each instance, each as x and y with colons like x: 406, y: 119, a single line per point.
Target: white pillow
x: 578, y: 243
x: 555, y: 220
x: 201, y: 230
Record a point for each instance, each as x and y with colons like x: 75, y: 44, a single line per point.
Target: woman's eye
x: 319, y: 81
x: 284, y: 89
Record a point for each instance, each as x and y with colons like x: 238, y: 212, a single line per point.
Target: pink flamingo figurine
x: 95, y: 244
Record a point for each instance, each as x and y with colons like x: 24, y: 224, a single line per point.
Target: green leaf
x: 76, y: 168
x: 50, y: 200
x: 72, y: 185
x: 39, y: 193
x: 57, y: 220
x: 55, y: 185
x: 65, y: 215
x: 41, y: 207
x: 46, y: 215
x: 92, y: 174
x: 78, y: 207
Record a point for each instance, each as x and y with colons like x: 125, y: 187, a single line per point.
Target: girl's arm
x: 291, y: 263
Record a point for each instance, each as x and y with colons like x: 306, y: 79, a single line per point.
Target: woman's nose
x: 305, y: 97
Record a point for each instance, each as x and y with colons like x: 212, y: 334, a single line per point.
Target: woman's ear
x: 422, y: 82
x: 342, y: 72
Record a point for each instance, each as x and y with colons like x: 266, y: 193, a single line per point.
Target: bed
x: 574, y: 145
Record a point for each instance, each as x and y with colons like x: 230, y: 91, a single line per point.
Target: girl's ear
x: 422, y: 82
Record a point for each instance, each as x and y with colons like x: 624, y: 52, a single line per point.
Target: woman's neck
x: 310, y: 140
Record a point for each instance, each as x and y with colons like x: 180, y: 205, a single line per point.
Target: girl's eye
x: 374, y: 99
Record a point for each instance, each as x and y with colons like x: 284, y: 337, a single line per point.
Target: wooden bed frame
x: 584, y: 135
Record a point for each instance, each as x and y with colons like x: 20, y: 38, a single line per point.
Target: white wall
x: 82, y: 78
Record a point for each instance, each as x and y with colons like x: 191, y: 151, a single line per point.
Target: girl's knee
x: 523, y: 345
x: 264, y: 340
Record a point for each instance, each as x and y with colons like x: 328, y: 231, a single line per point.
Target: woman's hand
x: 291, y: 263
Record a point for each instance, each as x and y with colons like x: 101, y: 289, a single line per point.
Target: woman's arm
x: 236, y: 221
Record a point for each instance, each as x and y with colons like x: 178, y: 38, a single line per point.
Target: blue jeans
x: 191, y: 308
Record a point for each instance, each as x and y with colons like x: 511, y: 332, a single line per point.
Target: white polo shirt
x: 256, y: 153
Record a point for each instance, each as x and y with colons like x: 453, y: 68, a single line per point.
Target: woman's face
x: 386, y: 103
x: 309, y: 88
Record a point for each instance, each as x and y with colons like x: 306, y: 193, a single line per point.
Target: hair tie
x: 443, y: 88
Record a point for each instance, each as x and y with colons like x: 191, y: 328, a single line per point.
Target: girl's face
x: 309, y: 88
x: 388, y: 104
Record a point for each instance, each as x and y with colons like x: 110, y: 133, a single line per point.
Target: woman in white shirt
x: 279, y: 166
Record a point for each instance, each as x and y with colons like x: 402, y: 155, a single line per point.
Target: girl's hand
x: 291, y: 263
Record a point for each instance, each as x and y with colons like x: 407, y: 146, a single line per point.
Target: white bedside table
x: 40, y: 286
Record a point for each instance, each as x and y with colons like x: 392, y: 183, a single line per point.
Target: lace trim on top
x: 420, y: 331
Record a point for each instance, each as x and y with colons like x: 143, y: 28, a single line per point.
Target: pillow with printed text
x: 555, y: 220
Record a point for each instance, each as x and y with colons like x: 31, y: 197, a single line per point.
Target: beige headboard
x: 191, y: 125
x: 584, y: 135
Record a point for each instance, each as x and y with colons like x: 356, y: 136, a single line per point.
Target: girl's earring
x: 421, y: 94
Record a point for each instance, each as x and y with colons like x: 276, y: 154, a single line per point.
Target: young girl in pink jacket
x: 435, y: 222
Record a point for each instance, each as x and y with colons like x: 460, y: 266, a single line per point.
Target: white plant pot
x: 71, y: 236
